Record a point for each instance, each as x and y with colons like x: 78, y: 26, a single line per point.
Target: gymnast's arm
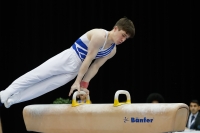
x: 93, y: 48
x: 93, y: 69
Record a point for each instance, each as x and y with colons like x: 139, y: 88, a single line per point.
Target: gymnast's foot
x: 8, y: 103
x: 11, y: 100
x: 4, y: 95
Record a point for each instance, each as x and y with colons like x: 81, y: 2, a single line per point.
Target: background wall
x: 160, y: 58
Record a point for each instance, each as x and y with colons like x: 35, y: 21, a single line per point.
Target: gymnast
x: 96, y: 44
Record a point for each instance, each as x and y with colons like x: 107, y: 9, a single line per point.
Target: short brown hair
x: 126, y: 25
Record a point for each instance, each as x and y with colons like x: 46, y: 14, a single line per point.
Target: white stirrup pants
x: 50, y: 75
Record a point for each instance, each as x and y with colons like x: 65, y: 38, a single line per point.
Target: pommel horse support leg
x: 106, y: 118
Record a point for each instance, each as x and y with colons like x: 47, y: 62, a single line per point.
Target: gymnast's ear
x: 115, y: 28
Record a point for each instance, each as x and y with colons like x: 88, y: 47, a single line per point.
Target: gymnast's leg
x: 65, y: 62
x: 39, y: 89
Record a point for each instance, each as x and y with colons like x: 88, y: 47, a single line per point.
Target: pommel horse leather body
x: 106, y: 118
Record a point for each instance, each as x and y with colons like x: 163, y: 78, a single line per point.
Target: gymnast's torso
x: 82, y: 43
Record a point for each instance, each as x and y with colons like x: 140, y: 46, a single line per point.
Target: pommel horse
x: 106, y: 118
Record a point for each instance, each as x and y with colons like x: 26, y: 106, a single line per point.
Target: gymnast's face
x: 119, y: 36
x: 194, y: 107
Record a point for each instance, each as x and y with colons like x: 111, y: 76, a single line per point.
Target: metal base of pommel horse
x: 106, y: 118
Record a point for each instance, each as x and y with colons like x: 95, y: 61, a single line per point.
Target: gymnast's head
x: 155, y: 98
x: 126, y: 25
x: 122, y: 30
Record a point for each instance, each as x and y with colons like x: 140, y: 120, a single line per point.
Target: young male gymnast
x: 96, y: 44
